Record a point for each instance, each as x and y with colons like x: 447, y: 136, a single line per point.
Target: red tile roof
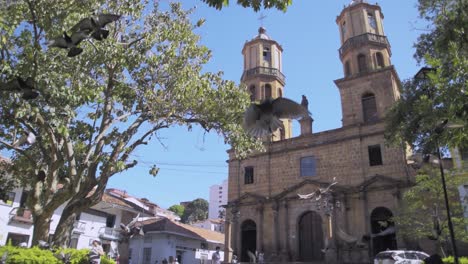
x: 167, y: 225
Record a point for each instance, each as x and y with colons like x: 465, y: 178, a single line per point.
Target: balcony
x: 79, y: 227
x: 362, y: 39
x: 110, y: 233
x: 21, y: 215
x: 265, y: 71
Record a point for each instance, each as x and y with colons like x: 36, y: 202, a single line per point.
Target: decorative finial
x: 305, y: 102
x: 261, y: 18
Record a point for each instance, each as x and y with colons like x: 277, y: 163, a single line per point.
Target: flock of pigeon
x: 93, y: 27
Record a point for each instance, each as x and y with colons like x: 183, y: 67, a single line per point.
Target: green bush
x: 77, y: 256
x: 105, y: 260
x: 450, y: 260
x: 28, y: 255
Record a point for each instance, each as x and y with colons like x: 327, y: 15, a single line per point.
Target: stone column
x: 306, y: 125
x: 227, y: 241
x: 260, y: 210
x: 275, y: 208
x: 287, y: 247
x: 235, y: 241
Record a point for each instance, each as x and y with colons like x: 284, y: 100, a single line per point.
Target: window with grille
x: 248, y: 175
x: 252, y: 93
x: 267, y: 91
x: 9, y: 199
x: 379, y: 59
x: 308, y: 166
x: 362, y: 64
x: 369, y: 108
x: 146, y: 255
x: 347, y: 69
x: 375, y: 155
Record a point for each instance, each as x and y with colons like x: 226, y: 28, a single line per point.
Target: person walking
x: 216, y: 257
x: 96, y: 252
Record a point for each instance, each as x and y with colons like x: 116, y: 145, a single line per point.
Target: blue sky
x: 191, y: 162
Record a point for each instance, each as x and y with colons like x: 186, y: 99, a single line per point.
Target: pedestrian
x: 164, y: 261
x: 234, y: 259
x: 216, y: 257
x: 96, y: 252
x: 171, y: 260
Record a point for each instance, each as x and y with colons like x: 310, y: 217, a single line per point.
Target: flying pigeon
x: 318, y: 193
x: 130, y: 229
x: 96, y: 24
x: 29, y: 139
x: 70, y: 42
x: 43, y: 245
x: 264, y: 118
x: 18, y: 84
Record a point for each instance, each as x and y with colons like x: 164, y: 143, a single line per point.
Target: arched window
x: 379, y: 59
x: 362, y: 64
x: 252, y: 93
x: 343, y: 30
x: 267, y: 90
x: 347, y: 69
x: 369, y: 108
x: 280, y: 92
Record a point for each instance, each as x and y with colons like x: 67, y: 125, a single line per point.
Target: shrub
x: 28, y: 255
x: 451, y: 260
x: 77, y: 256
x: 106, y: 260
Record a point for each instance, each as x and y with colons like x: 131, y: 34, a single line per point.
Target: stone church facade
x: 352, y: 222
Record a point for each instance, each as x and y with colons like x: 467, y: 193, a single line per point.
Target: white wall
x: 164, y: 245
x: 13, y: 227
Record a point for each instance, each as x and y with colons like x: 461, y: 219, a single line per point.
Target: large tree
x: 441, y: 94
x: 177, y: 209
x: 196, y: 210
x: 94, y: 110
x: 256, y: 5
x: 422, y: 213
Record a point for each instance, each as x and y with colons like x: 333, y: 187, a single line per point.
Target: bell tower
x: 370, y: 84
x: 262, y: 74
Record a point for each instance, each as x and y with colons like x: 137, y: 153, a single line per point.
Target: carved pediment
x: 305, y: 187
x: 249, y: 198
x: 380, y: 181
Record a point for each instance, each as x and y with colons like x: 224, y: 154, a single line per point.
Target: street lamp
x: 438, y: 130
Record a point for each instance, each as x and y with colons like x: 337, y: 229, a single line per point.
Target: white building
x: 165, y: 237
x: 216, y: 225
x: 101, y: 222
x: 218, y: 197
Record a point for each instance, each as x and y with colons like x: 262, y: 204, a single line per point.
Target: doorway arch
x: 248, y: 239
x: 310, y: 237
x: 380, y: 221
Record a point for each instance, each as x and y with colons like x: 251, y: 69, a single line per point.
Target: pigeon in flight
x: 29, y: 139
x: 263, y: 119
x: 318, y: 193
x: 96, y: 24
x: 131, y: 229
x: 70, y: 42
x: 18, y: 84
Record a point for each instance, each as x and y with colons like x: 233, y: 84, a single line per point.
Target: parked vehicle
x: 400, y: 257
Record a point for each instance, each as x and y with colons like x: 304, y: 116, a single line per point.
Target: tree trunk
x: 64, y: 229
x: 41, y: 228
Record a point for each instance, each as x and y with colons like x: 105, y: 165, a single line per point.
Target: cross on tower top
x: 261, y: 18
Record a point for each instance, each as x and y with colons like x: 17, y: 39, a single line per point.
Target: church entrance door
x: 310, y: 237
x: 248, y: 239
x: 383, y: 230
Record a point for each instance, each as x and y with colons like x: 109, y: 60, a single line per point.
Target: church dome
x: 262, y: 34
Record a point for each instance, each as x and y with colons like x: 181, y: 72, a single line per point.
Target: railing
x: 22, y: 215
x: 264, y: 71
x: 364, y: 38
x: 79, y: 226
x: 110, y: 233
